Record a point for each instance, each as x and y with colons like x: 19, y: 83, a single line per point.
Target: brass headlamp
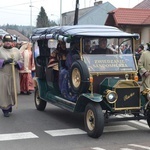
x: 111, y: 96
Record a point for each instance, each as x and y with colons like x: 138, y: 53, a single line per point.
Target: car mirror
x: 52, y: 43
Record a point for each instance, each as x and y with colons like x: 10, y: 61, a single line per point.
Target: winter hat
x: 7, y: 38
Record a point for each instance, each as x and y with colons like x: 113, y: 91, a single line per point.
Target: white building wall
x: 145, y: 35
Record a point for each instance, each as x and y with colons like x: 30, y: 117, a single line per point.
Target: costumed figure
x: 9, y: 56
x: 144, y: 68
x: 26, y: 80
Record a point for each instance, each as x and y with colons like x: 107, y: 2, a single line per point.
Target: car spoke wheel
x: 94, y: 120
x: 76, y: 78
x: 39, y: 103
x: 90, y: 119
x: 79, y: 77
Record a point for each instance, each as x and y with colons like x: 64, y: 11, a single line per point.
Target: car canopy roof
x: 67, y: 32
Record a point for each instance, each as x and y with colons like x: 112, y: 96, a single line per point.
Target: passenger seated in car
x: 87, y: 46
x: 73, y: 54
x: 102, y: 49
x: 58, y: 55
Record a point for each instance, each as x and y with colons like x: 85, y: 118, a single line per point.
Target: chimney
x: 98, y: 3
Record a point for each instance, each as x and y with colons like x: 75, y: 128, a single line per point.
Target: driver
x: 102, y: 49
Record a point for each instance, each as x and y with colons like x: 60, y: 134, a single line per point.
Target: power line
x: 18, y: 4
x: 23, y: 14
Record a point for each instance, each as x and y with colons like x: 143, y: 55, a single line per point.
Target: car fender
x: 85, y: 98
x: 41, y: 85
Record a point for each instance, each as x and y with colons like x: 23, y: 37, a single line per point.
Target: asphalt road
x: 57, y: 129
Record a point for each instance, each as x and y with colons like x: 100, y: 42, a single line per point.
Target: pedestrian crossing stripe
x: 76, y: 131
x: 97, y: 148
x: 118, y: 128
x: 17, y: 136
x: 62, y: 132
x: 140, y: 146
x: 65, y: 132
x: 133, y: 145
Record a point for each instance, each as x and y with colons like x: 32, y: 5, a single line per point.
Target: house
x: 96, y: 14
x: 133, y: 20
x: 3, y: 32
x: 14, y: 33
x: 17, y: 34
x: 143, y: 5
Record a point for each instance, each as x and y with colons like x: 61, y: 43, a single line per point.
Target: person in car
x: 58, y: 54
x: 102, y: 49
x: 87, y: 46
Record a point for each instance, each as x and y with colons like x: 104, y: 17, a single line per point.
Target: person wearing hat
x: 144, y: 68
x: 8, y: 54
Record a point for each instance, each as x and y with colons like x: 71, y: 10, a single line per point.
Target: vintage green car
x: 96, y: 76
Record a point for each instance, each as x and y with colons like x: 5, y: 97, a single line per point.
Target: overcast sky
x: 20, y: 13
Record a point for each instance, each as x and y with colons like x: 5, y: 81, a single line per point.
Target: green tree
x: 42, y: 19
x: 52, y: 23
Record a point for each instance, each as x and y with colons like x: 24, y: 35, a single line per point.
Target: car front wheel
x: 94, y: 120
x: 39, y: 103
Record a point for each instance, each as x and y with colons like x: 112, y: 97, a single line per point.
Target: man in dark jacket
x: 102, y: 49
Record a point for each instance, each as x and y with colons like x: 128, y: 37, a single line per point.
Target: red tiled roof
x: 131, y: 16
x: 143, y: 5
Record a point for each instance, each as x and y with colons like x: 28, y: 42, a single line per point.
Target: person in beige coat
x: 144, y: 68
x: 8, y: 54
x: 26, y: 81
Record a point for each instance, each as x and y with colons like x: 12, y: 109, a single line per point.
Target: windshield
x: 107, y: 46
x: 110, y: 63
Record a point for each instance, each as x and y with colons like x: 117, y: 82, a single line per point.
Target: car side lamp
x: 136, y: 78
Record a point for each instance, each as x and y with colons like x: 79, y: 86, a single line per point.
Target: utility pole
x: 30, y: 16
x: 76, y: 13
x: 60, y: 12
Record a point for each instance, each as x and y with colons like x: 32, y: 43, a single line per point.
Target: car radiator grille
x: 128, y: 98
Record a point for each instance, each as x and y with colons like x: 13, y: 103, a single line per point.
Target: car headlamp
x: 111, y: 96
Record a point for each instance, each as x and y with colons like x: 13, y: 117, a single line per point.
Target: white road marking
x: 17, y: 136
x: 64, y: 132
x: 140, y: 124
x: 76, y: 131
x: 126, y: 149
x: 140, y: 146
x: 97, y: 148
x: 118, y: 128
x: 143, y: 121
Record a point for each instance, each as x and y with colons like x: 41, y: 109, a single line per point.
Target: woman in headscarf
x: 26, y: 81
